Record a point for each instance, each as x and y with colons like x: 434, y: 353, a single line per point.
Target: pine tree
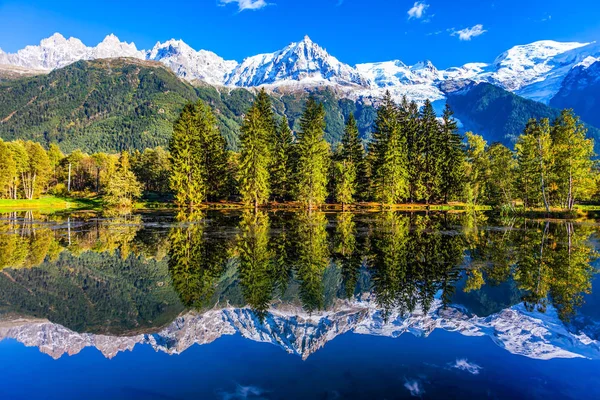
x: 389, y: 156
x: 254, y: 160
x: 353, y: 152
x: 452, y: 158
x: 281, y: 166
x: 431, y: 171
x: 188, y: 176
x: 414, y: 148
x: 345, y: 182
x: 199, y: 157
x: 214, y: 153
x: 312, y: 156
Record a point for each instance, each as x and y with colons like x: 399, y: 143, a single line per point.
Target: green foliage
x: 282, y: 162
x: 101, y: 105
x: 500, y: 116
x: 122, y: 187
x: 255, y: 157
x: 388, y: 155
x: 200, y: 163
x: 312, y: 156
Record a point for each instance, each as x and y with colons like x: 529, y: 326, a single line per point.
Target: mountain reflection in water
x: 296, y: 280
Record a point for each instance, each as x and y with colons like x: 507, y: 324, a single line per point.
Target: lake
x: 283, y: 305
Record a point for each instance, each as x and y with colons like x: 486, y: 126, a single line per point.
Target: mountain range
x: 529, y: 81
x: 518, y: 331
x: 535, y: 71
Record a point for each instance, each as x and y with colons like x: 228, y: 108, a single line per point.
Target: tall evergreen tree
x: 431, y: 171
x: 414, y: 145
x: 188, y: 177
x: 389, y: 156
x: 312, y: 156
x: 122, y: 187
x: 281, y: 166
x: 352, y: 151
x: 452, y: 158
x: 254, y: 159
x: 214, y: 153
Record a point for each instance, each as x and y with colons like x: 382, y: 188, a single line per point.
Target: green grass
x: 50, y: 204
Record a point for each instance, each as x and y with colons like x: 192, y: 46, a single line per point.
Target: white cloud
x: 418, y: 10
x: 247, y: 4
x: 469, y: 33
x: 464, y: 365
x: 414, y: 387
x: 243, y: 392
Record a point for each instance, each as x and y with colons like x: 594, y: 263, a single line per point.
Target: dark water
x: 232, y: 305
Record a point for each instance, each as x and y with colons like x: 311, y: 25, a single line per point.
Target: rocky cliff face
x: 534, y: 335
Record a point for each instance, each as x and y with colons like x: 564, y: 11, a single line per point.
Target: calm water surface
x: 232, y: 305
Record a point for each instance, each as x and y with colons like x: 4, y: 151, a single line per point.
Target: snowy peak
x: 304, y: 62
x: 190, y: 64
x: 112, y: 47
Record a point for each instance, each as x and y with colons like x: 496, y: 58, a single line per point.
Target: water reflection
x: 137, y: 274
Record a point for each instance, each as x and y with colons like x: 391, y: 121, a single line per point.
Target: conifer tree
x: 199, y: 157
x: 281, y: 165
x: 502, y: 171
x: 353, y: 152
x: 430, y: 172
x: 312, y: 154
x: 254, y: 160
x: 345, y: 182
x: 214, y: 153
x: 389, y: 156
x: 414, y: 146
x: 188, y: 176
x: 452, y: 158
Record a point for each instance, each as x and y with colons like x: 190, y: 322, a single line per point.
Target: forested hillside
x: 498, y: 115
x: 125, y: 104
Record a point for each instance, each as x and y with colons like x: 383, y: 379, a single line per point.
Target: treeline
x: 412, y: 157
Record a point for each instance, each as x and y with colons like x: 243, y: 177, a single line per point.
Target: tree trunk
x: 69, y: 180
x: 542, y: 177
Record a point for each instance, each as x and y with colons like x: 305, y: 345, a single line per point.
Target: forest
x: 413, y: 157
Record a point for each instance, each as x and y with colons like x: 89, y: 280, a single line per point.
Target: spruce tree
x: 312, y: 154
x: 414, y: 147
x: 389, y: 156
x: 353, y: 152
x: 345, y: 182
x: 188, y: 175
x: 254, y: 160
x: 452, y: 158
x: 431, y: 171
x: 281, y: 165
x: 122, y: 187
x: 214, y: 153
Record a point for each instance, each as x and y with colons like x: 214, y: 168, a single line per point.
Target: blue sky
x: 447, y: 32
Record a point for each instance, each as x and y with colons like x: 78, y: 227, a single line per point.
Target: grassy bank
x: 50, y: 204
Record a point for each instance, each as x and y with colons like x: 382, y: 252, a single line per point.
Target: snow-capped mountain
x: 190, y: 64
x: 299, y: 62
x: 580, y: 90
x: 531, y: 334
x: 535, y: 71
